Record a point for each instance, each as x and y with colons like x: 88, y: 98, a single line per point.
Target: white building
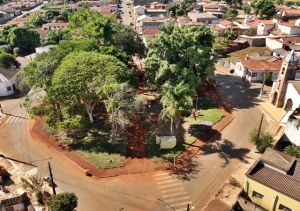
x: 10, y: 79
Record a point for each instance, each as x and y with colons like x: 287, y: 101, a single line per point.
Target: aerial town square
x: 150, y: 105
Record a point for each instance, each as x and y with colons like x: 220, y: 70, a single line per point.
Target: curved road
x: 157, y: 191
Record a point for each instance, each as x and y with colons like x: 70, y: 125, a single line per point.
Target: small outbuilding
x: 166, y: 142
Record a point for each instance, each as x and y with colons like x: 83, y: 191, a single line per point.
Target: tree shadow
x: 225, y: 149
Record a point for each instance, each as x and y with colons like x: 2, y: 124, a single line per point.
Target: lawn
x: 209, y: 112
x: 95, y: 146
x: 251, y: 51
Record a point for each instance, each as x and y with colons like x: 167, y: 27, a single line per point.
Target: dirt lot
x: 251, y: 51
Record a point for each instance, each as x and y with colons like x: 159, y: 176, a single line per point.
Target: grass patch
x: 251, y: 51
x: 95, y: 147
x: 208, y: 112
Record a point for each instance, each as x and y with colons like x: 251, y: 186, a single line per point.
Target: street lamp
x: 262, y: 88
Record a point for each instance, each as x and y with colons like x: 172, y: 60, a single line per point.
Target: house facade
x: 292, y: 132
x: 254, y: 69
x: 10, y: 79
x: 273, y: 182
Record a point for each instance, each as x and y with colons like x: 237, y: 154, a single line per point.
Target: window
x: 284, y: 208
x: 8, y: 88
x: 257, y: 195
x: 282, y: 70
x: 254, y: 75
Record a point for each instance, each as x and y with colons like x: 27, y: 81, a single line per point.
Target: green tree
x: 51, y: 14
x: 231, y: 13
x: 250, y: 32
x: 292, y: 150
x: 289, y: 3
x: 176, y: 99
x: 23, y: 38
x: 263, y: 8
x: 91, y: 24
x: 55, y: 36
x: 181, y: 54
x: 35, y: 21
x: 234, y: 2
x: 268, y: 77
x: 72, y: 83
x: 7, y: 60
x: 127, y: 39
x: 264, y: 140
x: 278, y: 2
x: 121, y: 102
x: 200, y: 9
x: 184, y: 8
x: 246, y: 8
x: 62, y: 202
x: 114, y: 51
x: 5, y: 31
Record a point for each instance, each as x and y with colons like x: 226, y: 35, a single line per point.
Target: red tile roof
x: 225, y: 22
x: 278, y: 171
x: 291, y: 11
x: 288, y: 24
x: 270, y: 63
x: 41, y: 32
x: 152, y: 31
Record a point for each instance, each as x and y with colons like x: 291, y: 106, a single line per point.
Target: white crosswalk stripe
x: 174, y: 194
x: 16, y: 118
x: 222, y: 82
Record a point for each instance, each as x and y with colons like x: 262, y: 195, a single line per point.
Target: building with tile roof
x: 252, y: 69
x: 273, y: 181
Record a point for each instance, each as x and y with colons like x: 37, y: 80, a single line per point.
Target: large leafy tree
x: 231, y: 13
x: 91, y: 24
x: 129, y: 41
x: 181, y: 55
x: 263, y: 8
x: 7, y: 60
x: 62, y: 202
x: 292, y: 150
x: 176, y: 99
x: 23, y: 38
x: 5, y: 31
x: 35, y: 21
x: 72, y: 83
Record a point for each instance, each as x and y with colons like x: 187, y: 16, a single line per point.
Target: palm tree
x: 108, y: 29
x: 175, y: 100
x: 292, y: 150
x: 55, y: 36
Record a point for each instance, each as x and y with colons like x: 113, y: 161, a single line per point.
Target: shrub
x: 250, y: 32
x: 62, y: 202
x: 39, y: 197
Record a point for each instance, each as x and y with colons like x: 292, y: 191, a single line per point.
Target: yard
x: 185, y: 134
x: 251, y: 51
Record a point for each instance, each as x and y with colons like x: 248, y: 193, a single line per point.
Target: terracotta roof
x: 225, y: 22
x: 255, y: 22
x: 277, y: 171
x: 41, y: 32
x: 291, y: 11
x: 209, y: 4
x: 296, y: 85
x: 269, y: 63
x: 287, y: 24
x: 289, y: 40
x: 151, y: 31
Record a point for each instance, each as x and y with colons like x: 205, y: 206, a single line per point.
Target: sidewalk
x: 2, y: 117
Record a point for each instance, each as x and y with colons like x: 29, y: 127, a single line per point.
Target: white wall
x: 3, y: 86
x: 273, y: 43
x: 284, y: 29
x: 292, y: 134
x: 291, y: 93
x: 239, y: 70
x: 295, y: 31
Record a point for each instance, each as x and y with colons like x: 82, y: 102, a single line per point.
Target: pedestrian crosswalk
x: 14, y: 118
x: 174, y: 195
x: 222, y: 82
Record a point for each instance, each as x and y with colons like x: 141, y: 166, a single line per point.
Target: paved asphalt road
x: 158, y: 191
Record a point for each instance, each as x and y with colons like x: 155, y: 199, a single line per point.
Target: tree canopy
x: 180, y: 54
x: 23, y: 38
x: 7, y: 60
x: 264, y: 140
x: 62, y: 202
x: 263, y: 8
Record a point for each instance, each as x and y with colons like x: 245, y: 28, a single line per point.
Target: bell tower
x: 287, y: 72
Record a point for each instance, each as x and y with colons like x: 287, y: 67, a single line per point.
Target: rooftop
x: 270, y: 63
x: 6, y: 75
x: 202, y: 15
x: 225, y: 23
x: 151, y: 31
x: 292, y: 12
x: 278, y: 171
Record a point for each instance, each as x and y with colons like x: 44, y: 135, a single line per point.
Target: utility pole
x: 188, y: 207
x: 258, y: 132
x: 51, y: 179
x: 262, y: 88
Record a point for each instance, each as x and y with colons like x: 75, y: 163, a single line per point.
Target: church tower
x: 287, y: 72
